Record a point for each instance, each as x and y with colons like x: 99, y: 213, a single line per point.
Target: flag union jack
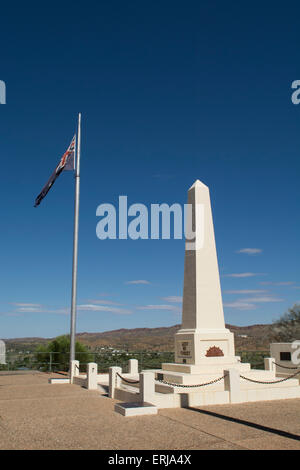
x: 67, y: 162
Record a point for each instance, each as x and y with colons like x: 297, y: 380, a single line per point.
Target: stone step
x: 246, y: 385
x: 135, y: 409
x: 214, y: 364
x: 181, y: 378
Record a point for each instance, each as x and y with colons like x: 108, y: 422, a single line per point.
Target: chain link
x: 285, y: 367
x: 211, y: 382
x: 128, y: 381
x: 191, y: 386
x: 269, y: 382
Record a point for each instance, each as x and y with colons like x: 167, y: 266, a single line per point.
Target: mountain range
x: 247, y: 338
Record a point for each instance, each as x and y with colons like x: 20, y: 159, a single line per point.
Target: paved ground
x: 36, y: 415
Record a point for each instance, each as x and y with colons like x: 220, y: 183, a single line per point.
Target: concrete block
x: 147, y: 387
x: 233, y: 385
x: 92, y: 376
x: 269, y: 363
x: 133, y: 366
x: 135, y: 409
x: 114, y: 380
x: 59, y: 380
x: 74, y: 366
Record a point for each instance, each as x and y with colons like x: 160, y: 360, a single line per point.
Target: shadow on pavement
x: 278, y: 432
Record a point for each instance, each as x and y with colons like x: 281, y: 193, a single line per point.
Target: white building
x: 2, y: 352
x: 287, y: 358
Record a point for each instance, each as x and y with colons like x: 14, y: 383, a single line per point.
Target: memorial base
x: 197, y: 346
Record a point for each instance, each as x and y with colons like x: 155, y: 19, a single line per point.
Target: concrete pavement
x: 37, y: 415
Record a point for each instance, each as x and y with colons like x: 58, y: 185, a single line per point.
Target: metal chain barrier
x: 270, y: 382
x: 191, y: 386
x: 128, y: 381
x: 211, y: 382
x: 285, y: 367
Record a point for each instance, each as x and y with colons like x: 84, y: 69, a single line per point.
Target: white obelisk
x: 204, y: 348
x: 203, y: 338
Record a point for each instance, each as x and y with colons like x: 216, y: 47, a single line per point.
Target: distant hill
x: 162, y: 339
x: 247, y: 338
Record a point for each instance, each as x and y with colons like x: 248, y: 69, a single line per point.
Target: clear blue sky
x: 169, y: 92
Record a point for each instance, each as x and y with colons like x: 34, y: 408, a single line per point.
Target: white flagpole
x: 75, y: 250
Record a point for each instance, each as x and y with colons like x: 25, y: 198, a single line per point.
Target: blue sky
x: 169, y: 93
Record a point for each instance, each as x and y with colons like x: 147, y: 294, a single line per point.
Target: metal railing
x: 59, y: 361
x: 54, y: 361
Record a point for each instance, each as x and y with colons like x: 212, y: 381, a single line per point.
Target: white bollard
x: 269, y: 363
x: 233, y: 385
x: 147, y: 387
x: 92, y: 373
x: 114, y: 380
x: 133, y: 366
x: 74, y: 370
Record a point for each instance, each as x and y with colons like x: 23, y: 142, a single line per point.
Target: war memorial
x: 206, y: 370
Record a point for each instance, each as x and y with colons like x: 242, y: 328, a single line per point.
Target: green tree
x: 56, y: 354
x: 287, y: 328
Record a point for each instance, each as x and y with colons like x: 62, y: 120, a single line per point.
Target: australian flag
x: 67, y: 162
